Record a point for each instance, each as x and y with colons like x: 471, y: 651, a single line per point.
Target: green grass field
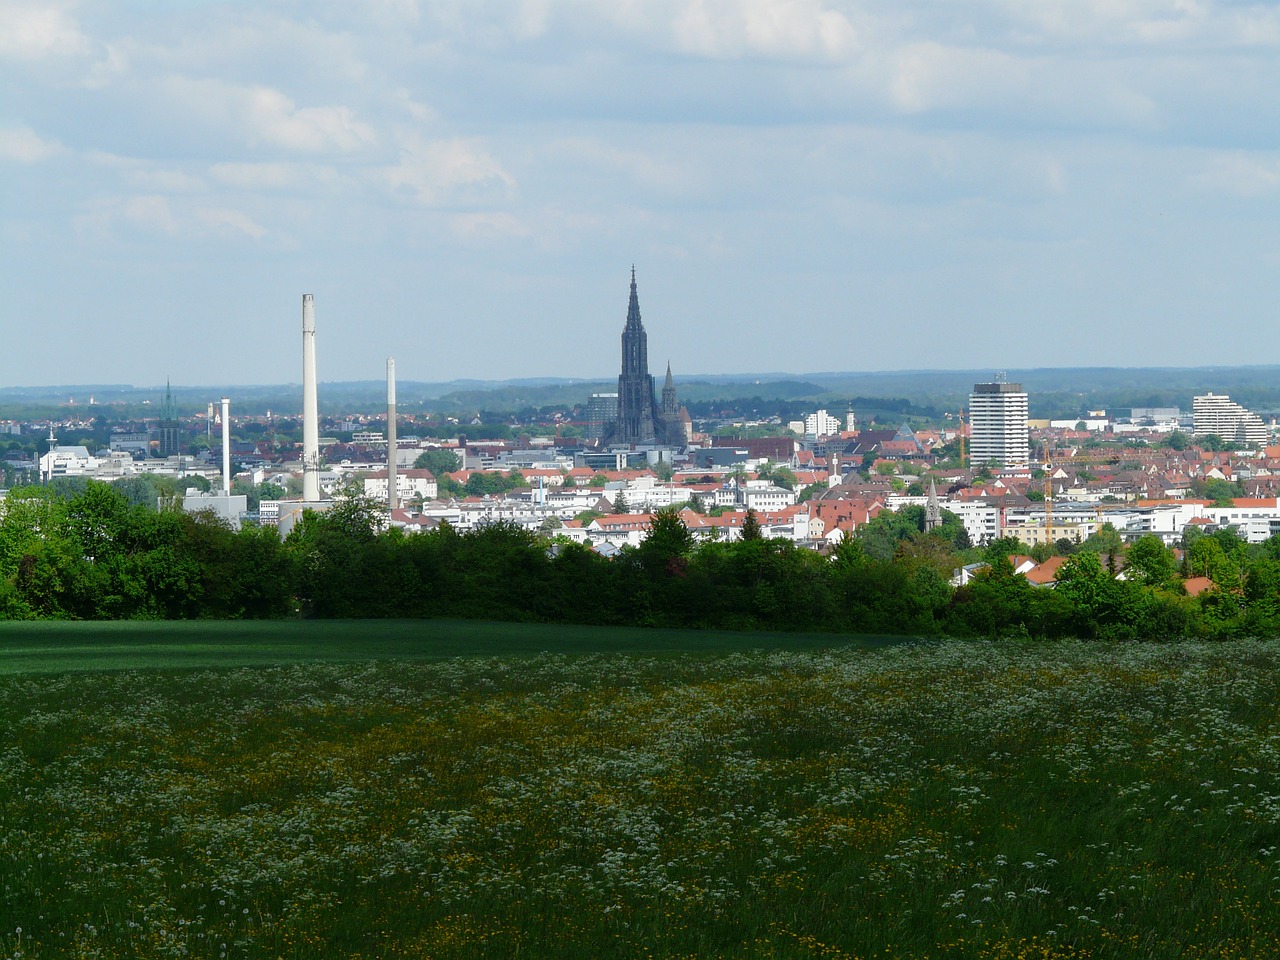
x: 371, y: 795
x: 57, y: 646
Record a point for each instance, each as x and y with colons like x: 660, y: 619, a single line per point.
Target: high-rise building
x: 821, y: 424
x: 640, y: 418
x: 169, y: 431
x: 602, y: 411
x: 998, y: 425
x: 1216, y: 415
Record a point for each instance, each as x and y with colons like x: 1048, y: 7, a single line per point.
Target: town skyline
x: 467, y: 188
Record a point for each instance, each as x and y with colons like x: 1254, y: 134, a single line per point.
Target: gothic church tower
x: 640, y: 419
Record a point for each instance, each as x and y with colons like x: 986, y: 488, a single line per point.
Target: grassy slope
x: 941, y: 801
x: 54, y: 647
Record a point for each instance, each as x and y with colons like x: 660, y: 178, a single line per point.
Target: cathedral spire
x: 633, y: 306
x: 669, y: 395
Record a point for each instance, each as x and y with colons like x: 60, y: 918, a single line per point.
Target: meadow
x: 939, y: 800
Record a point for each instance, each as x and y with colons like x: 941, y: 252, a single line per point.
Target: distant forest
x: 1055, y: 393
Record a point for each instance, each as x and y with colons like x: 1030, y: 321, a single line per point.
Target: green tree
x: 667, y: 537
x: 751, y: 527
x: 1105, y: 540
x: 1150, y: 562
x: 811, y: 491
x: 784, y: 477
x: 439, y: 461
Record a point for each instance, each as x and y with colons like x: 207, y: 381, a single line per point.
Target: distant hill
x: 1054, y: 392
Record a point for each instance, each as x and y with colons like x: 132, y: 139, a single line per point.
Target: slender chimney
x: 226, y: 447
x: 310, y: 407
x: 393, y: 500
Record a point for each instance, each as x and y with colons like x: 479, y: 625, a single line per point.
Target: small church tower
x: 932, y: 509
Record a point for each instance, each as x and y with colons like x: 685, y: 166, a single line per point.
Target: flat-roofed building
x: 1215, y: 414
x: 998, y: 425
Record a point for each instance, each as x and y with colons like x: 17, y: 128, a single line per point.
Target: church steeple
x: 932, y: 509
x: 669, y: 395
x: 635, y: 342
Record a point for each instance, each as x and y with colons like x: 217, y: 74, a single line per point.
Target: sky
x: 801, y: 186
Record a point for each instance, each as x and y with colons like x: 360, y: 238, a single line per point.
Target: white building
x: 409, y: 484
x: 762, y: 496
x: 998, y: 425
x: 981, y: 518
x: 1216, y: 415
x: 68, y: 461
x: 821, y: 424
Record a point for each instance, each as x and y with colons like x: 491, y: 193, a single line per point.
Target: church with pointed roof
x: 643, y: 415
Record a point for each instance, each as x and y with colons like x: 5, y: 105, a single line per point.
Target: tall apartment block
x: 998, y: 425
x: 1216, y: 414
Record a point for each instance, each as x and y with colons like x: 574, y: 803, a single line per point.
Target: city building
x: 1216, y: 415
x: 821, y: 424
x: 998, y: 425
x: 602, y: 411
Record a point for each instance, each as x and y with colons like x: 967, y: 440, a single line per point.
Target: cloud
x: 278, y: 177
x: 792, y: 29
x: 489, y: 225
x: 39, y: 31
x: 148, y: 175
x: 1240, y: 174
x: 447, y: 170
x: 21, y: 144
x: 155, y: 215
x: 236, y: 221
x: 264, y: 116
x: 640, y: 166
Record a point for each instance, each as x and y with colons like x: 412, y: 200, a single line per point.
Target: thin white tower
x: 310, y: 406
x: 226, y: 447
x: 393, y: 500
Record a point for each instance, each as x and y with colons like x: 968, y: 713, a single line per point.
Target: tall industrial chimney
x: 393, y: 500
x: 310, y: 407
x: 226, y: 447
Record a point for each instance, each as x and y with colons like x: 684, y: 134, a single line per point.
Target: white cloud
x: 21, y: 144
x: 283, y: 177
x: 148, y: 175
x: 173, y: 218
x: 236, y: 221
x: 443, y: 170
x: 151, y: 214
x: 1240, y: 174
x: 731, y: 29
x: 264, y: 116
x: 39, y: 31
x: 489, y: 225
x: 642, y: 167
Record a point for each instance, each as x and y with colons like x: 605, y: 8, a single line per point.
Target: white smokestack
x: 310, y: 407
x: 393, y: 500
x: 226, y: 447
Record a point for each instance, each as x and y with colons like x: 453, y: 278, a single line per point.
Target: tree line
x: 92, y: 553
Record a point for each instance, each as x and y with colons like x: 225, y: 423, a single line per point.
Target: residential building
x: 409, y: 484
x: 1216, y: 415
x: 821, y: 424
x: 998, y: 425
